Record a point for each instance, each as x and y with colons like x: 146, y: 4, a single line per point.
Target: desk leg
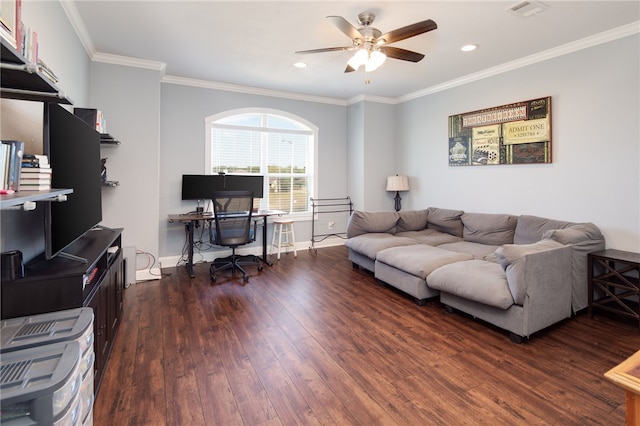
x: 189, y: 228
x: 264, y: 242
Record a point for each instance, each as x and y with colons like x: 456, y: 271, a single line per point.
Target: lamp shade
x: 397, y: 183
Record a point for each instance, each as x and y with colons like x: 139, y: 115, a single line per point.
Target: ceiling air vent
x: 527, y: 8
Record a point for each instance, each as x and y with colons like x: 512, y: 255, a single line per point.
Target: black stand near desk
x: 191, y: 219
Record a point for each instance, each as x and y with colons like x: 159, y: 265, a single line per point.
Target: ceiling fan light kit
x: 371, y: 46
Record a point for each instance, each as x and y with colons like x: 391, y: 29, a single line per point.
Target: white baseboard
x: 209, y: 256
x: 148, y: 274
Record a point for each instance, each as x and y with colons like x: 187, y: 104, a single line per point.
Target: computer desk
x: 191, y: 219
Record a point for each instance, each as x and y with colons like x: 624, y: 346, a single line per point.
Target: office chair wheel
x: 245, y: 278
x: 260, y: 268
x: 214, y: 278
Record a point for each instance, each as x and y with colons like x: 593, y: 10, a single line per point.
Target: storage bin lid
x: 35, y: 330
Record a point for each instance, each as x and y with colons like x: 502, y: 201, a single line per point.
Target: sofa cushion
x: 574, y: 234
x: 486, y: 228
x: 445, y: 220
x: 371, y: 244
x: 363, y: 222
x: 477, y: 250
x: 430, y: 237
x: 419, y: 260
x: 531, y: 228
x: 511, y: 258
x: 412, y: 220
x: 477, y: 280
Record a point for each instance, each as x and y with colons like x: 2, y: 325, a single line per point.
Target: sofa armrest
x: 546, y: 277
x: 518, y: 259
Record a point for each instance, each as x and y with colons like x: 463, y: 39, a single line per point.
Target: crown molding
x: 369, y: 98
x: 206, y: 84
x: 129, y: 62
x: 595, y: 40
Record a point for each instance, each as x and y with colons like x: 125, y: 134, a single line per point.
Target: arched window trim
x: 311, y: 129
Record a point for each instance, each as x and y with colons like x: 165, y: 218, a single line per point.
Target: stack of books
x: 10, y: 164
x: 35, y: 174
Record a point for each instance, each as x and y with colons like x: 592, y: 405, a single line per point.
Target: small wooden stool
x: 283, y: 227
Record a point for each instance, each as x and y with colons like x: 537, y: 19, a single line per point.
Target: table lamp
x: 397, y: 183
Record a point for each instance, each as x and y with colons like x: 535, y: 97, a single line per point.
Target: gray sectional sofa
x: 520, y: 273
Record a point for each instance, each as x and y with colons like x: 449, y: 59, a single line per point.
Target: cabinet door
x: 99, y: 336
x: 115, y: 284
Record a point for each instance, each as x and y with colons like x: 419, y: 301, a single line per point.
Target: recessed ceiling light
x: 300, y: 65
x: 469, y: 47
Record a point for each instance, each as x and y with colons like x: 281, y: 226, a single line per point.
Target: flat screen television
x: 74, y: 154
x: 202, y: 187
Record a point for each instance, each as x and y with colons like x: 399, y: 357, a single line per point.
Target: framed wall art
x: 518, y: 133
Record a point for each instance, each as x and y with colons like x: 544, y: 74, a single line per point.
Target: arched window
x: 270, y: 143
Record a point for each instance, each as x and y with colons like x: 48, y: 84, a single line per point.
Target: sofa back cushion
x: 364, y: 222
x: 531, y: 228
x: 445, y: 220
x: 412, y: 220
x: 486, y: 228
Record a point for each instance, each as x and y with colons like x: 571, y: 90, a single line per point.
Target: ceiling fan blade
x: 403, y: 54
x: 408, y: 31
x: 326, y: 49
x: 344, y: 26
x: 349, y: 68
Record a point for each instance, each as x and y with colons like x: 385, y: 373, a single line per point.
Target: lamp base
x: 397, y: 199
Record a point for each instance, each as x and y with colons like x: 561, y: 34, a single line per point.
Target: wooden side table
x: 617, y: 279
x: 627, y: 376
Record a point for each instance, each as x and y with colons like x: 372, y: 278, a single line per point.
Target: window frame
x: 311, y: 129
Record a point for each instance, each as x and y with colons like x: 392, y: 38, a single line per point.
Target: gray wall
x: 595, y: 174
x: 129, y: 98
x: 182, y: 144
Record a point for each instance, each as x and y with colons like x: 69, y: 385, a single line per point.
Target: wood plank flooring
x: 311, y: 341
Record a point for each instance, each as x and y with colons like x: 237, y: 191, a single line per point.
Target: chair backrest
x: 232, y: 216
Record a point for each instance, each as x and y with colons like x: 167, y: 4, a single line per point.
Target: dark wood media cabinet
x: 62, y: 283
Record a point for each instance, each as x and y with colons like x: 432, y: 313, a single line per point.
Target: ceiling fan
x: 371, y: 46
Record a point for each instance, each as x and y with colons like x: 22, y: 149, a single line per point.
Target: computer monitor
x: 202, y: 187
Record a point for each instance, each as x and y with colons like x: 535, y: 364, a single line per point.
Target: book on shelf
x: 31, y: 182
x: 8, y: 17
x: 4, y: 165
x: 11, y: 159
x: 46, y: 71
x: 35, y: 171
x: 34, y: 178
x: 35, y: 161
x: 13, y: 170
x: 34, y: 187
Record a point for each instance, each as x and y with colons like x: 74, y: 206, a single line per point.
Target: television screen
x: 202, y: 187
x: 74, y: 154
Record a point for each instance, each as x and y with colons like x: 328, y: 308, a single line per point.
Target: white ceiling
x: 252, y: 43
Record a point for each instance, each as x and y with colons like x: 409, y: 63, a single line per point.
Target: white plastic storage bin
x: 68, y: 325
x: 36, y: 330
x: 41, y: 386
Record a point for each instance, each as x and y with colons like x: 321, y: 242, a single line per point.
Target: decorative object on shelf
x: 103, y: 170
x: 93, y: 117
x: 397, y: 183
x: 518, y: 133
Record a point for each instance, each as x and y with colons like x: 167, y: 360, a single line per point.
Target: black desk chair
x: 232, y: 210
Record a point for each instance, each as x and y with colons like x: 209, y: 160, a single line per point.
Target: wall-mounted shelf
x: 107, y: 140
x: 21, y: 197
x: 20, y: 79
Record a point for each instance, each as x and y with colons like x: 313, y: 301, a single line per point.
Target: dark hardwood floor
x: 313, y: 341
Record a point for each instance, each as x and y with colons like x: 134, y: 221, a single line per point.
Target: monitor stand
x: 72, y: 257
